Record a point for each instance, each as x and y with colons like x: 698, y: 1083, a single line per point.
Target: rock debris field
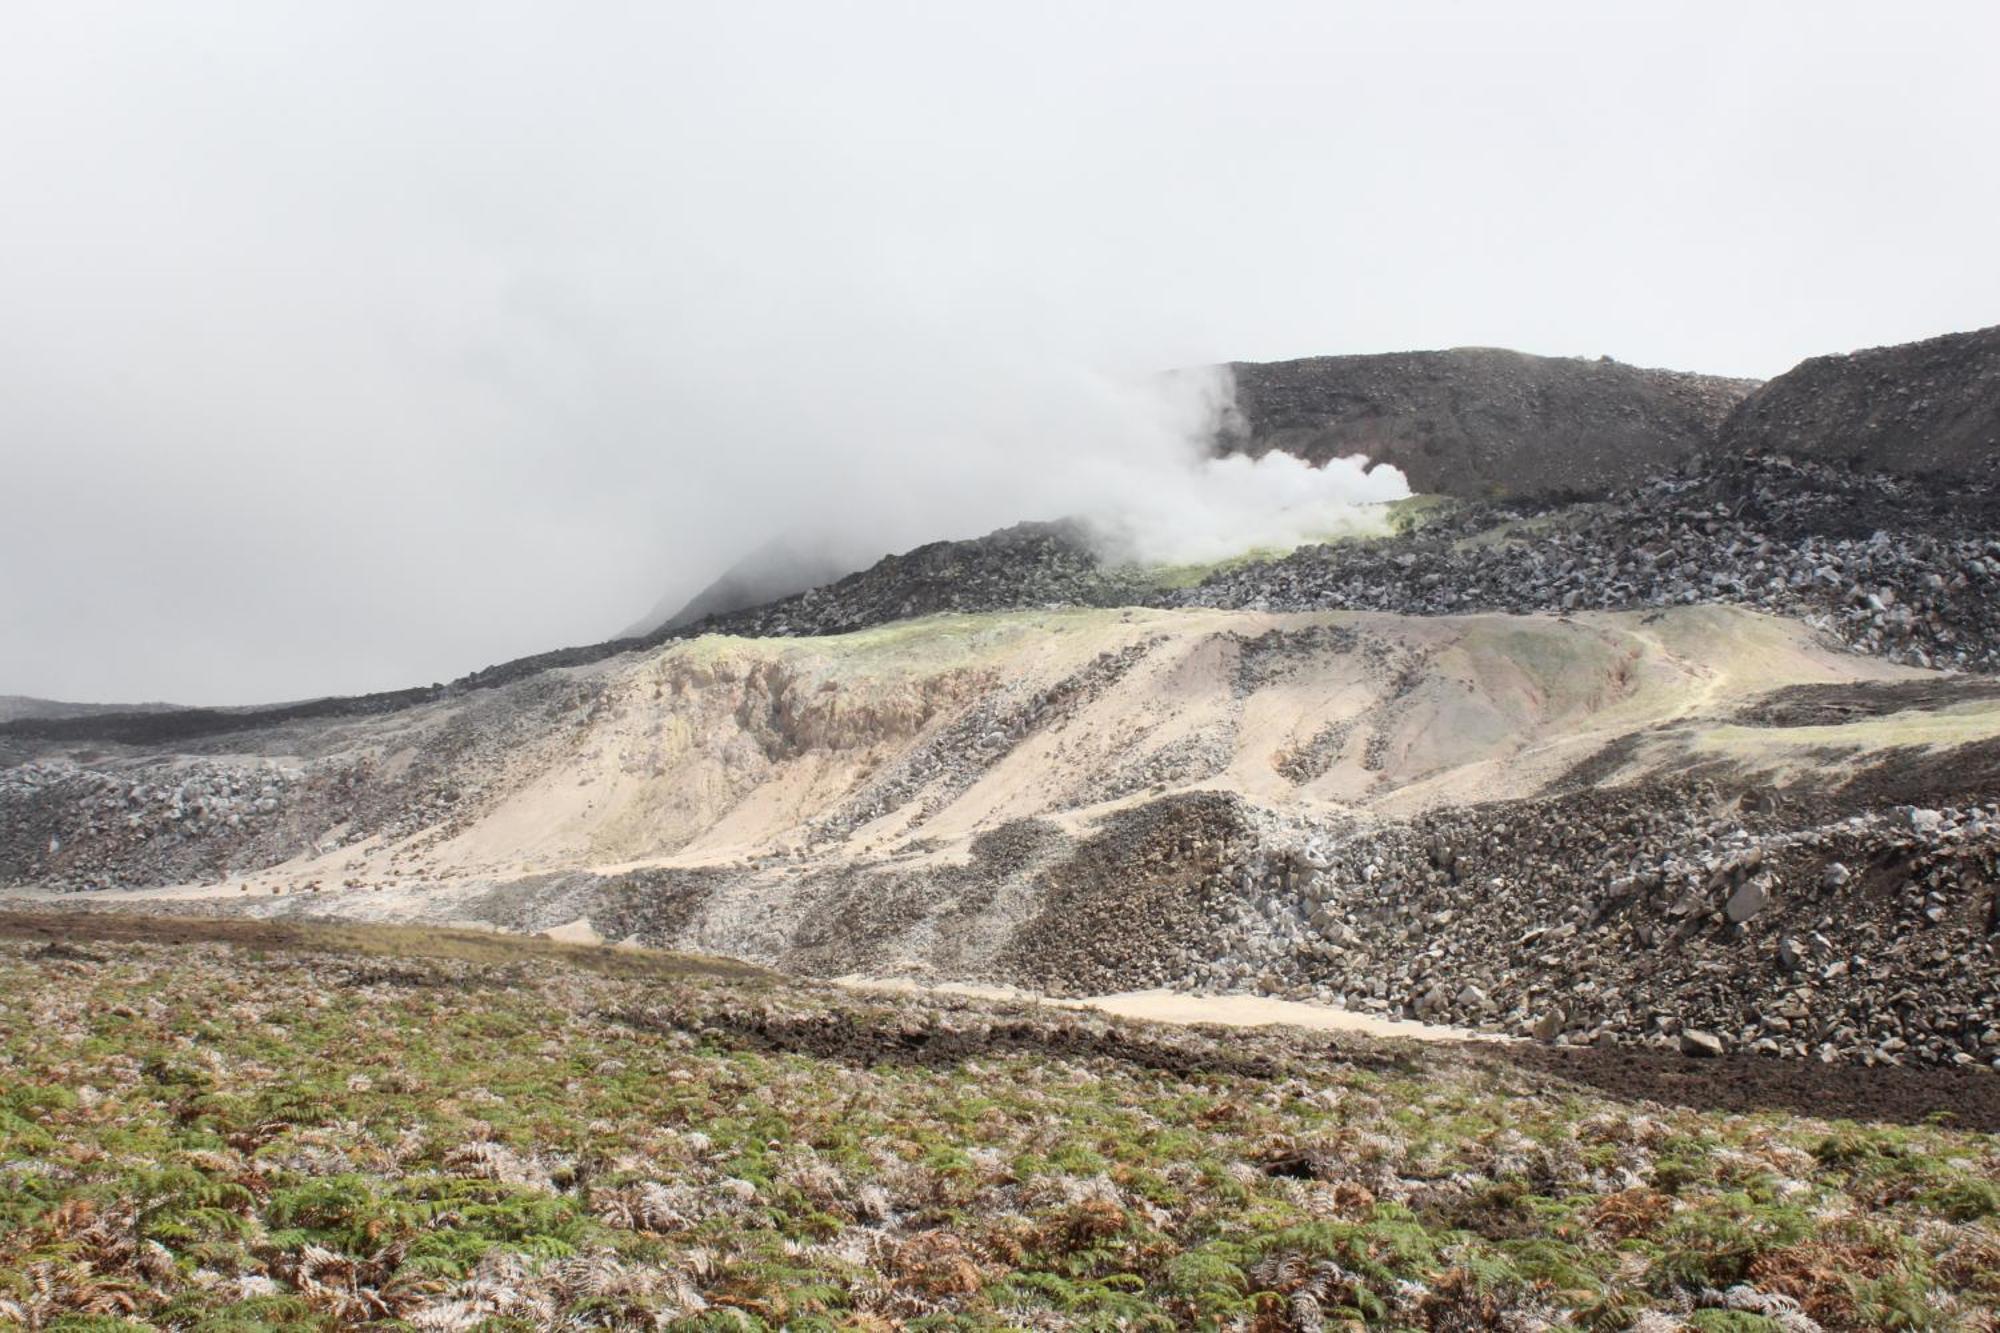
x: 1904, y: 569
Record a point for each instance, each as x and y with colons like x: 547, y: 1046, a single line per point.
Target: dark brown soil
x: 861, y: 1036
x: 1968, y: 1099
x: 1831, y: 705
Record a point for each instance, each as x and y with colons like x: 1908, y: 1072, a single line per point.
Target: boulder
x: 1701, y: 1045
x: 1747, y: 901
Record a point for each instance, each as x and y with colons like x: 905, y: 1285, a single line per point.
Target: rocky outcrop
x: 89, y: 819
x: 1481, y: 422
x: 1922, y: 408
x: 1673, y: 915
x: 1891, y: 567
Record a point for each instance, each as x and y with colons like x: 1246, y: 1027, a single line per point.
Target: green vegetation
x: 332, y: 1131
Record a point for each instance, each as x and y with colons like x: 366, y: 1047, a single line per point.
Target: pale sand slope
x: 809, y: 800
x: 579, y: 931
x: 721, y: 750
x: 1166, y: 1006
x: 911, y: 739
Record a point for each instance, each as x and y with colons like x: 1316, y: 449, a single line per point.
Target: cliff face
x: 1930, y: 407
x: 1483, y: 422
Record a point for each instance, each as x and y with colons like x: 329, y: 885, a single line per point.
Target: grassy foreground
x: 351, y: 1131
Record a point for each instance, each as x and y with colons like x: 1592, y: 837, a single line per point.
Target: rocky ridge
x: 1929, y: 408
x: 1881, y: 562
x: 1886, y: 563
x: 783, y: 567
x: 1482, y: 422
x: 83, y: 820
x: 1028, y: 565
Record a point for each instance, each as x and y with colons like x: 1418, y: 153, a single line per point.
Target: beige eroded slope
x: 1028, y: 798
x: 1073, y: 803
x: 916, y: 737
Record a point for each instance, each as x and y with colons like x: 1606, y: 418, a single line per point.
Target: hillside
x: 1516, y: 434
x: 914, y: 668
x: 1717, y: 753
x: 1096, y: 801
x: 1482, y: 422
x: 21, y: 708
x: 1922, y: 408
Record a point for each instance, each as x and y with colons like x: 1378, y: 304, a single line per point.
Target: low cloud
x: 1133, y: 456
x: 345, y: 347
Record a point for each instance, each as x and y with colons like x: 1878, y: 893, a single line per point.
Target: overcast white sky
x: 348, y: 346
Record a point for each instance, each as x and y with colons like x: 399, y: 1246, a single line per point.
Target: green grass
x: 480, y: 1131
x: 485, y: 948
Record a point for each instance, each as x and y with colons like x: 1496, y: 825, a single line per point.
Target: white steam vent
x: 1166, y: 498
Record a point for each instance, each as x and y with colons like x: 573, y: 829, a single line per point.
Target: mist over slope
x: 1161, y: 492
x: 782, y: 567
x: 19, y: 707
x: 1474, y: 423
x: 1130, y: 459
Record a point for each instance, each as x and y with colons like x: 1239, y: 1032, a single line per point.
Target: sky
x: 353, y: 346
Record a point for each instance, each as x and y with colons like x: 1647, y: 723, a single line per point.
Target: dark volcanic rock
x: 1918, y: 408
x: 1027, y: 565
x: 1480, y: 422
x: 1888, y: 565
x: 1602, y: 916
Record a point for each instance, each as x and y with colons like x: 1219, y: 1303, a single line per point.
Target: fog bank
x: 347, y: 347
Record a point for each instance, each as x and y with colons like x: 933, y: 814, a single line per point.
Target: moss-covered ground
x: 410, y: 1131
